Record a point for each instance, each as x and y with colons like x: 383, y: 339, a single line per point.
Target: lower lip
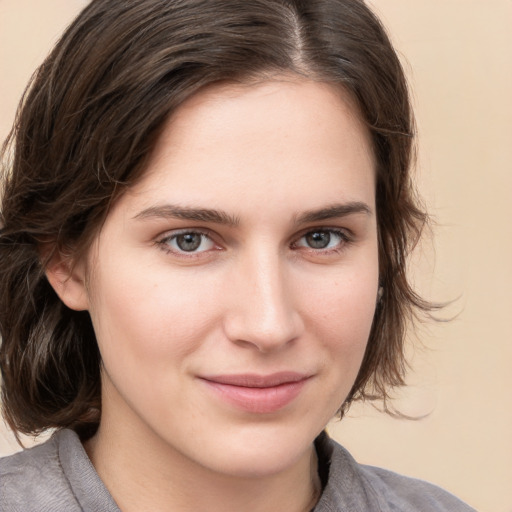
x: 258, y: 400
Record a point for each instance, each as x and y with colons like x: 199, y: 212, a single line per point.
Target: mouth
x: 259, y: 394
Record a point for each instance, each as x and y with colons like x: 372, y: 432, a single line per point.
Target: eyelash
x: 344, y: 239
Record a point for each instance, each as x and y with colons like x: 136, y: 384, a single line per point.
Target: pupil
x: 318, y: 239
x: 189, y: 241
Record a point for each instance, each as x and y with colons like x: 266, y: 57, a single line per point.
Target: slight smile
x: 258, y: 394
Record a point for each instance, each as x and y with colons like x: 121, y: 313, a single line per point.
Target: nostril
x: 266, y: 330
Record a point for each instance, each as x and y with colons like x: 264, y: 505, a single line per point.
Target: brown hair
x: 89, y: 120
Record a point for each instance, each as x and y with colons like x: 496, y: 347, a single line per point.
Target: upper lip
x: 253, y: 380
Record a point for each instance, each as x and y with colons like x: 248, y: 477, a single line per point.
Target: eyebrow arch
x: 333, y: 211
x: 170, y: 211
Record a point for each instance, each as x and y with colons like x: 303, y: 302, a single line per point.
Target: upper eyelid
x: 208, y: 231
x: 166, y: 237
x: 171, y: 233
x: 332, y: 229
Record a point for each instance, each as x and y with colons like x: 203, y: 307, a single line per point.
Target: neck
x: 144, y: 473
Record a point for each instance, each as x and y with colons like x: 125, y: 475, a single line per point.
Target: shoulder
x: 33, y: 480
x: 366, y: 488
x: 410, y: 494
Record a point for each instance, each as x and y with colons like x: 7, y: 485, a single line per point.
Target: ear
x: 67, y: 278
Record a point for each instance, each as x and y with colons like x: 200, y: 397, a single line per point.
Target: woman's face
x: 232, y: 290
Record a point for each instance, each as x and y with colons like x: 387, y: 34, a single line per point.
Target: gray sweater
x: 57, y: 476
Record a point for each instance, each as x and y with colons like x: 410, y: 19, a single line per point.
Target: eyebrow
x: 170, y: 211
x: 333, y: 211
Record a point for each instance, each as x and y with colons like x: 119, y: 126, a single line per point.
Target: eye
x: 322, y: 239
x: 187, y: 242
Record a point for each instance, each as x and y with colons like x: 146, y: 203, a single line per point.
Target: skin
x: 254, y: 297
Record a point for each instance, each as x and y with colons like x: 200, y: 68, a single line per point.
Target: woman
x: 202, y: 259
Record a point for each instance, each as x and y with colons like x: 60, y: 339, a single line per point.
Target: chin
x: 258, y: 452
x: 250, y: 464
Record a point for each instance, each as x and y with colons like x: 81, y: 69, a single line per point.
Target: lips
x: 258, y: 394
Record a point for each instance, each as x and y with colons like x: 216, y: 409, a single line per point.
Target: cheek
x: 150, y: 317
x: 344, y: 307
x: 147, y: 327
x: 341, y: 316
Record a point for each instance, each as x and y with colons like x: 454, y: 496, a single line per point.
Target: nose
x: 262, y: 311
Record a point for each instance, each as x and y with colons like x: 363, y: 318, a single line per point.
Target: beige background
x: 459, y: 58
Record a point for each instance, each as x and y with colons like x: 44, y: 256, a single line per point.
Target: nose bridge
x: 264, y: 314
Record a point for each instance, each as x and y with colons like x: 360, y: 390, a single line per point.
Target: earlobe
x: 68, y: 281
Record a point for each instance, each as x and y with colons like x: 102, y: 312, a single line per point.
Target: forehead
x: 258, y: 142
